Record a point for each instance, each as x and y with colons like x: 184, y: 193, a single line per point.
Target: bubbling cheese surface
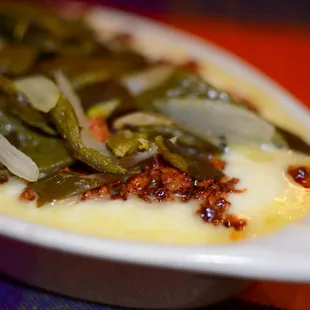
x: 271, y: 200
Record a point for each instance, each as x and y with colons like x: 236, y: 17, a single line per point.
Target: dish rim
x: 256, y: 258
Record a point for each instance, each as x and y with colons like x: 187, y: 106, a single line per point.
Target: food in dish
x: 97, y: 138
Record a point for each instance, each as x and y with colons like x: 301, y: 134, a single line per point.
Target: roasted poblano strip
x: 110, y: 96
x: 46, y: 19
x: 66, y: 123
x: 126, y: 142
x: 287, y: 139
x: 67, y: 184
x: 185, y: 84
x: 49, y: 153
x: 83, y: 70
x: 195, y: 166
x: 16, y: 59
x: 184, y: 139
x: 111, y: 80
x: 17, y: 21
x: 17, y: 104
x: 181, y: 84
x: 4, y: 172
x: 154, y: 124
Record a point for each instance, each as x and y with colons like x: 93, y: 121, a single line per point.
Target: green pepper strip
x: 196, y: 167
x: 66, y: 123
x: 17, y: 59
x: 19, y: 106
x: 67, y: 184
x: 294, y: 142
x: 49, y: 153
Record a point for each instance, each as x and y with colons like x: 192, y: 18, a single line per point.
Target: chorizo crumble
x: 189, y: 170
x: 99, y: 128
x: 27, y: 195
x: 3, y: 180
x: 300, y: 175
x: 161, y: 182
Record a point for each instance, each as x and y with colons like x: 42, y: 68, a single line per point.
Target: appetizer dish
x: 97, y: 138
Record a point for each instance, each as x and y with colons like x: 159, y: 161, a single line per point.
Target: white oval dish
x: 49, y: 253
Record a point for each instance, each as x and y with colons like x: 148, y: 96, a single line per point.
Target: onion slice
x: 141, y: 119
x: 41, y: 92
x: 132, y: 160
x: 89, y: 141
x: 66, y: 88
x: 147, y: 79
x: 17, y: 162
x: 174, y: 140
x: 86, y: 136
x: 217, y: 118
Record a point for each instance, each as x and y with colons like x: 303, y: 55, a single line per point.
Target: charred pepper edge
x: 78, y: 148
x: 63, y: 117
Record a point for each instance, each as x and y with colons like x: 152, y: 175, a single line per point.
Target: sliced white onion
x: 17, y: 162
x: 134, y: 159
x: 41, y: 92
x: 217, y: 118
x: 143, y: 142
x: 141, y: 119
x: 174, y: 140
x: 68, y: 91
x: 87, y: 138
x: 89, y: 141
x: 147, y: 79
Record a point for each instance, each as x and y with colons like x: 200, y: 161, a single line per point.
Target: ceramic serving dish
x: 153, y: 276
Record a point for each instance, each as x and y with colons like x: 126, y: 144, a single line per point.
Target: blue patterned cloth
x: 16, y: 296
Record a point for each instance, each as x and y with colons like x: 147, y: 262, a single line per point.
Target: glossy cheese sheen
x: 271, y: 200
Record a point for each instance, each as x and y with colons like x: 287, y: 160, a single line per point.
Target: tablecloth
x: 283, y: 53
x: 16, y: 296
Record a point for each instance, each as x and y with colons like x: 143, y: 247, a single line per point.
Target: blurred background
x: 261, y: 11
x: 273, y: 35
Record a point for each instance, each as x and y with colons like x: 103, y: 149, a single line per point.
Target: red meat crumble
x: 99, y: 128
x: 159, y: 181
x: 301, y: 175
x: 27, y: 195
x: 3, y: 180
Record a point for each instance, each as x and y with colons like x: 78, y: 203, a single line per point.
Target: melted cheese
x: 271, y: 200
